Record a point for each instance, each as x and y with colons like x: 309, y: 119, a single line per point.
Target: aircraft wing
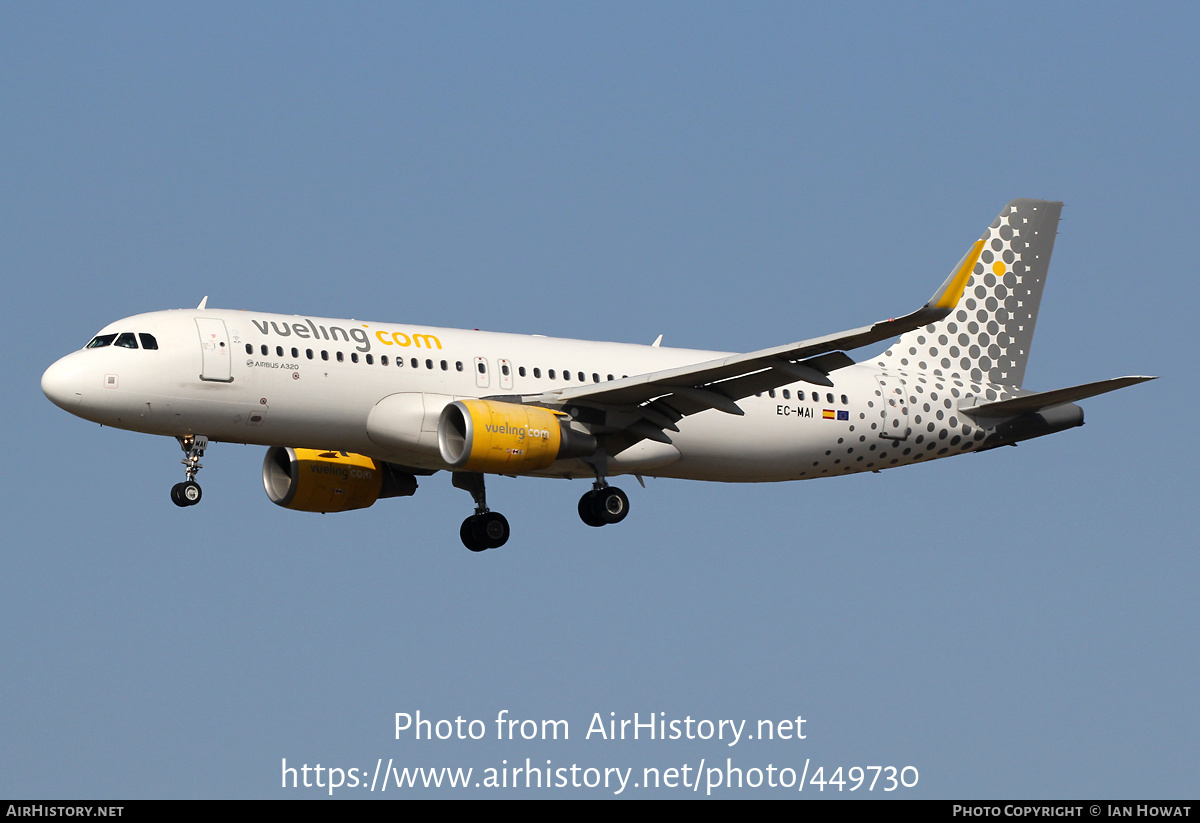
x: 658, y: 399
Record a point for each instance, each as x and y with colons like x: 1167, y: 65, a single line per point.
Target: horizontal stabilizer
x: 1037, y: 401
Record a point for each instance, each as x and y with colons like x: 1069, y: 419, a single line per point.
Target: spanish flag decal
x: 828, y: 414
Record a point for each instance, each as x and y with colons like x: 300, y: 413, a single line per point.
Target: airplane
x: 352, y: 412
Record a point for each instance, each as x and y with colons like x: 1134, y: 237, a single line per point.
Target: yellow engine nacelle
x: 507, y: 438
x: 310, y: 480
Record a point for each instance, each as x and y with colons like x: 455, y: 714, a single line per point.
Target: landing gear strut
x: 604, y: 504
x: 485, y: 529
x: 188, y: 492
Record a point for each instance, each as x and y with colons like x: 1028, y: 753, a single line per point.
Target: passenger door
x: 214, y: 348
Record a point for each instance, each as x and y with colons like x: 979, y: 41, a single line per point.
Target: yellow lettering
x: 396, y: 335
x: 382, y: 339
x: 417, y: 338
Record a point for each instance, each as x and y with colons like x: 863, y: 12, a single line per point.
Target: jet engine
x: 507, y: 438
x: 310, y: 480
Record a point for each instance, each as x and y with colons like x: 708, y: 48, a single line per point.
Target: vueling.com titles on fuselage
x: 308, y: 330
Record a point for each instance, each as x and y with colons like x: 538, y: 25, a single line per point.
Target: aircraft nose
x: 63, y: 383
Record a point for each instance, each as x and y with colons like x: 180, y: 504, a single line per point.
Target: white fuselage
x: 277, y: 380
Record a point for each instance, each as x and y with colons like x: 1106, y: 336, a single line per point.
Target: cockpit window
x: 148, y: 341
x: 127, y: 340
x: 100, y: 341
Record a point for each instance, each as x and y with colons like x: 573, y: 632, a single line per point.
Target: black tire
x: 587, y: 510
x: 490, y: 530
x: 467, y: 533
x: 611, y: 505
x: 190, y: 493
x: 177, y: 496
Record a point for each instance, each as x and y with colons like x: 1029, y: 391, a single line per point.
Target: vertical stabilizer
x: 988, y: 335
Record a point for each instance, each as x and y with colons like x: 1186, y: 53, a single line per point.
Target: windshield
x: 100, y: 341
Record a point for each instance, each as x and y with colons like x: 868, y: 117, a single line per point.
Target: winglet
x: 948, y: 295
x: 203, y: 303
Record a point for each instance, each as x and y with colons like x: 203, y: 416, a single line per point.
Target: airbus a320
x: 352, y: 412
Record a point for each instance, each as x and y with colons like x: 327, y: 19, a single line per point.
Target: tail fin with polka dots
x: 986, y: 338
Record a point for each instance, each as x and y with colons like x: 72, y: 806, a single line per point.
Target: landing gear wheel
x: 467, y: 533
x: 610, y: 504
x: 491, y: 529
x: 587, y: 510
x: 480, y: 532
x: 186, y: 494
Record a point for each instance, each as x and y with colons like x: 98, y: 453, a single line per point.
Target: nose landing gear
x: 188, y: 493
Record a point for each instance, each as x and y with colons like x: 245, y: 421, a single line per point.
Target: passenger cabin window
x: 149, y: 343
x: 101, y: 341
x: 127, y: 340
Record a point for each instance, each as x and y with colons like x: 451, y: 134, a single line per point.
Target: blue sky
x: 1020, y: 623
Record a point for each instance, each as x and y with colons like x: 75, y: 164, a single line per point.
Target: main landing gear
x: 604, y: 504
x: 485, y: 529
x: 188, y: 492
